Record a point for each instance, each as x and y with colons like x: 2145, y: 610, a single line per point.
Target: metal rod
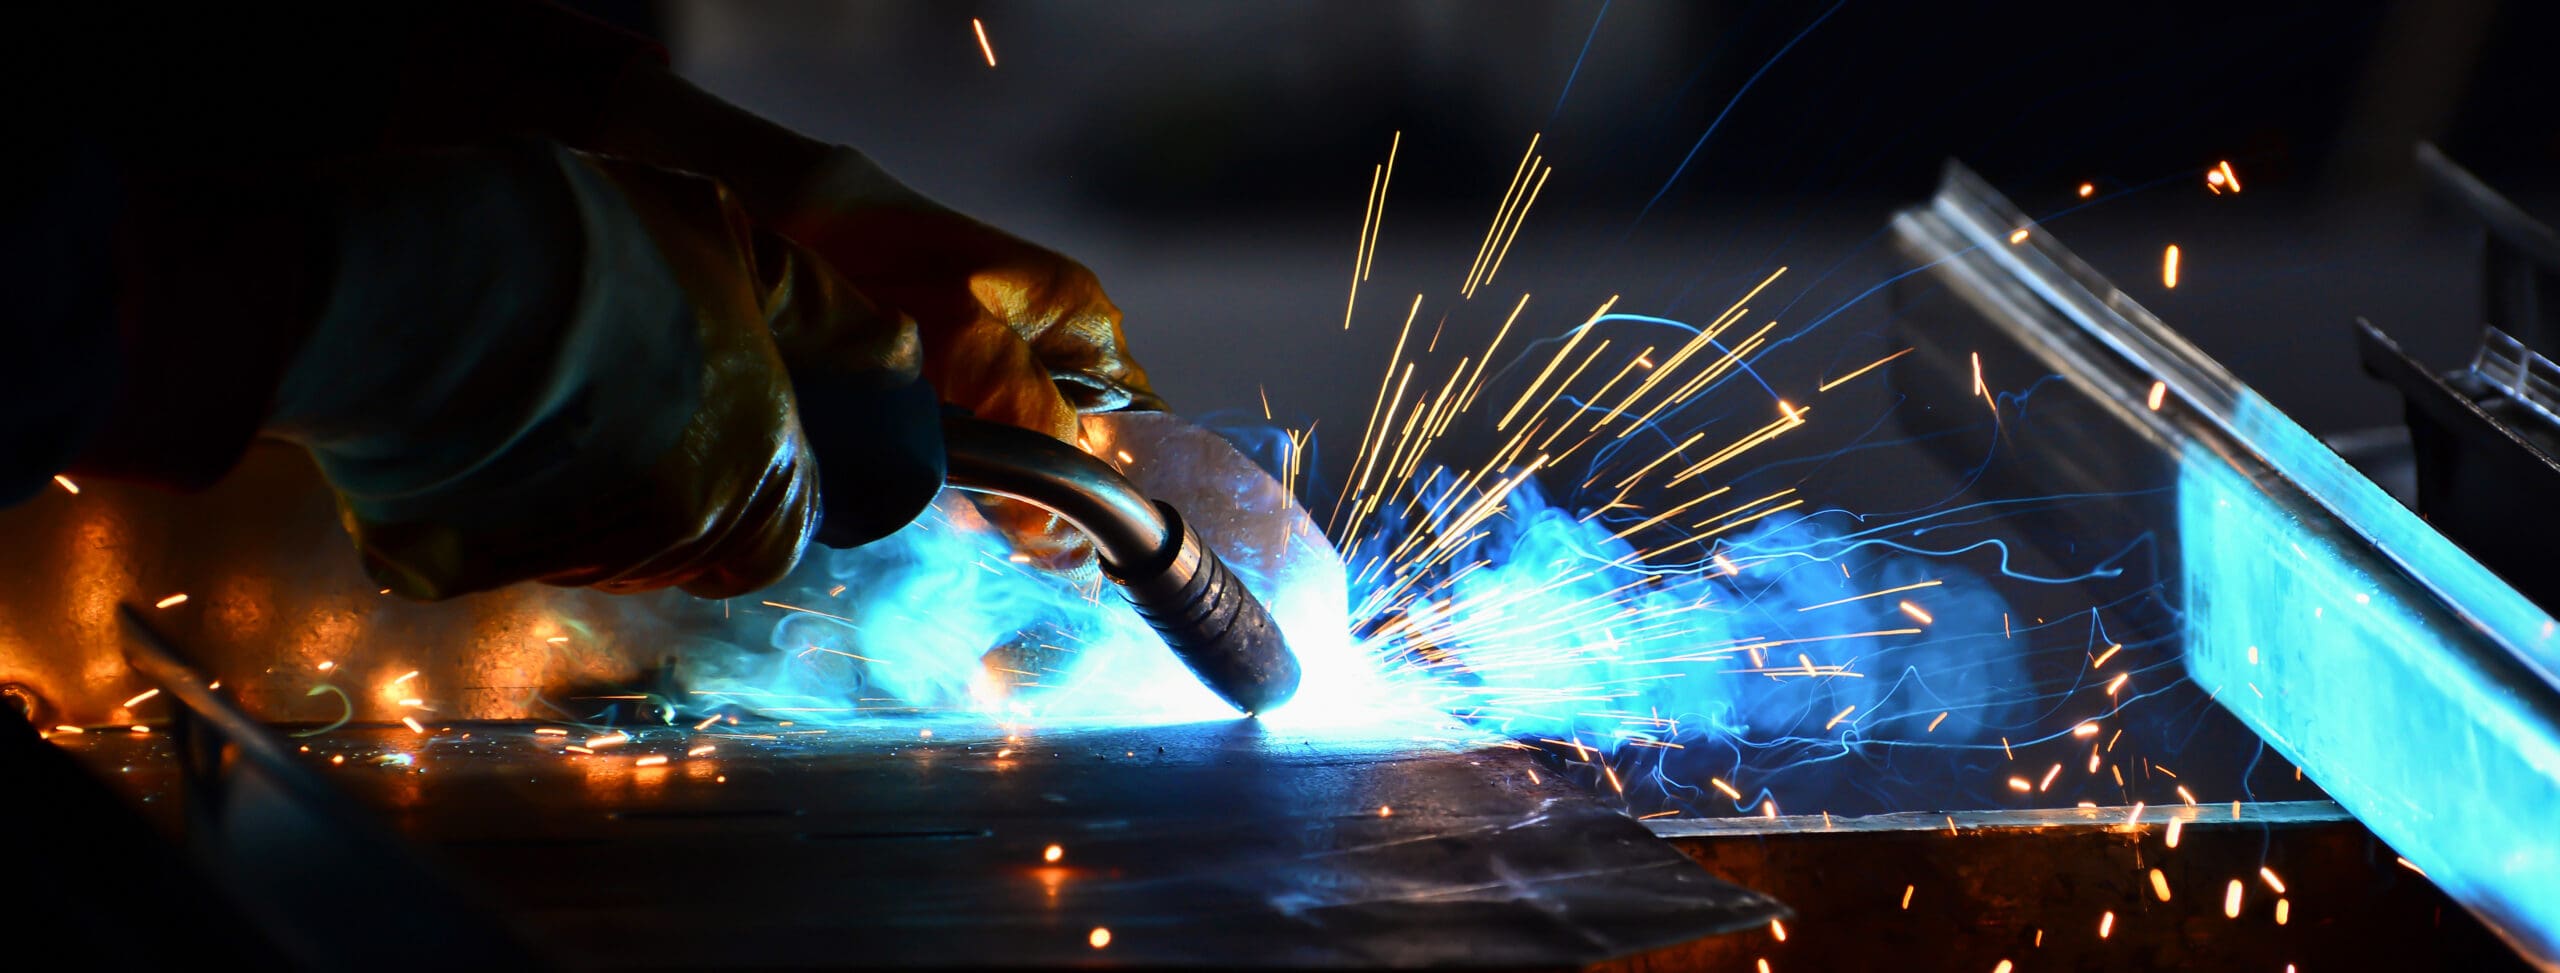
x: 1008, y: 461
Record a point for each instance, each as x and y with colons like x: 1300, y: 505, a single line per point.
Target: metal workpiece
x: 1219, y: 845
x: 2351, y: 635
x: 1167, y: 571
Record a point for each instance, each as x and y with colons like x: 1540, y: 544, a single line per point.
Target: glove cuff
x: 885, y: 444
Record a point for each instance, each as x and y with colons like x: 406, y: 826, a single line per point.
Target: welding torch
x: 1167, y: 572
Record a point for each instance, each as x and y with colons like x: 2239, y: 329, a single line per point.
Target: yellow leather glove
x: 1013, y: 331
x: 535, y: 364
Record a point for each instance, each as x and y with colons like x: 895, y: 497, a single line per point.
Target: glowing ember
x: 990, y: 51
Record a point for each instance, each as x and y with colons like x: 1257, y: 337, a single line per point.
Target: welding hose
x: 1180, y: 586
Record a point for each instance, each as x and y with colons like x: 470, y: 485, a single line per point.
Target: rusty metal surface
x: 1206, y: 845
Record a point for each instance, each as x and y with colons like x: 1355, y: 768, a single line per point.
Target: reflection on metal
x: 1209, y: 846
x: 2124, y: 819
x: 286, y: 846
x: 275, y: 594
x: 2411, y: 683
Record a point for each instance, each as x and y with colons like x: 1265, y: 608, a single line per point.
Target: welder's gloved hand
x: 534, y: 364
x: 1012, y: 331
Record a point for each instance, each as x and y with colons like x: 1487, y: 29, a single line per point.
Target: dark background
x: 1210, y: 160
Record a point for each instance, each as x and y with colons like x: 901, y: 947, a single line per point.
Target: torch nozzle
x: 1180, y: 586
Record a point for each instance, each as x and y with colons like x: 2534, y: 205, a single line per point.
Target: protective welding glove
x: 1012, y: 331
x: 536, y: 364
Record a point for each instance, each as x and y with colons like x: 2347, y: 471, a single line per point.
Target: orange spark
x: 988, y: 49
x: 2169, y: 267
x: 172, y: 601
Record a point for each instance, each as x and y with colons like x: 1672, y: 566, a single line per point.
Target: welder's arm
x: 524, y: 363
